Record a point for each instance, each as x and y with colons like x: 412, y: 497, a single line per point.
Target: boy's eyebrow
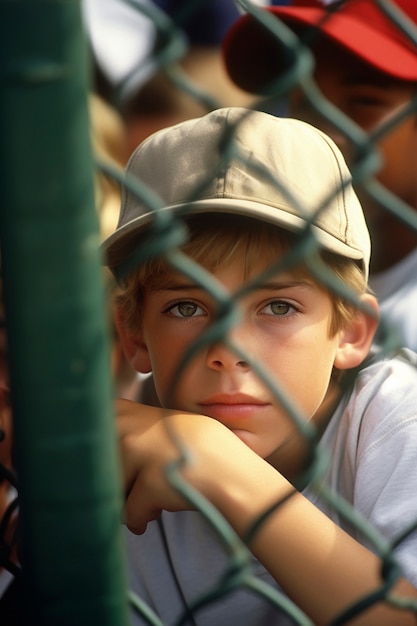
x: 274, y: 285
x: 287, y: 284
x: 180, y: 286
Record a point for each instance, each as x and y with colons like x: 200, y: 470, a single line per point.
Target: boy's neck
x: 291, y: 458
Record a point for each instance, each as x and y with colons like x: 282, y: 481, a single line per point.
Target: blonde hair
x: 109, y: 143
x: 213, y: 243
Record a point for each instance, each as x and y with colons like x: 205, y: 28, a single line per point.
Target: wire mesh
x: 168, y: 235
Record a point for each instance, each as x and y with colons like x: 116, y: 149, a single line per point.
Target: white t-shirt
x: 372, y: 445
x: 396, y: 290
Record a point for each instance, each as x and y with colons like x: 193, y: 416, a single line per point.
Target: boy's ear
x: 355, y: 340
x: 133, y: 344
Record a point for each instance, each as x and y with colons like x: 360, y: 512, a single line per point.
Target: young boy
x: 365, y: 64
x: 274, y: 227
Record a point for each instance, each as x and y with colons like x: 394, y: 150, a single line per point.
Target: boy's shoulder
x: 374, y: 425
x: 399, y: 366
x: 383, y: 398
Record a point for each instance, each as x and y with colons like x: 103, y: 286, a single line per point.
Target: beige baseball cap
x: 243, y: 162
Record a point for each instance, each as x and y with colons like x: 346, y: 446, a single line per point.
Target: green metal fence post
x: 61, y: 385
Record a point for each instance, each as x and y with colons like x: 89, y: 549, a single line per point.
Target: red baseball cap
x: 254, y: 56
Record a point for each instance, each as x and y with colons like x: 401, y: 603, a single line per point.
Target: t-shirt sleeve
x: 385, y: 459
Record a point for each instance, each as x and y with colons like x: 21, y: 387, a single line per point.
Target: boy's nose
x: 221, y: 357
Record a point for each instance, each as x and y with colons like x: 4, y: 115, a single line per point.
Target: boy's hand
x: 147, y: 439
x: 217, y: 463
x: 146, y: 450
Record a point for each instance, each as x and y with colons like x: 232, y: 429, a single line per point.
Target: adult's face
x: 371, y: 100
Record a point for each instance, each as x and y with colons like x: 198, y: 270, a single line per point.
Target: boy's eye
x: 185, y: 309
x: 278, y: 307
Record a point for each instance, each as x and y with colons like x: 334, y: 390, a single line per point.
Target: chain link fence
x: 65, y: 468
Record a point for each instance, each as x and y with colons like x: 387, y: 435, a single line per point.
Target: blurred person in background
x: 138, y: 49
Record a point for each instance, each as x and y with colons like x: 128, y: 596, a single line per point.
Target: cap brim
x: 120, y: 246
x: 252, y: 53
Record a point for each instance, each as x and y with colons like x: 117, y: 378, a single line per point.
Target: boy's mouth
x: 231, y: 406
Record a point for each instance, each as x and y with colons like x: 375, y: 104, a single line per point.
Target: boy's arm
x: 321, y: 568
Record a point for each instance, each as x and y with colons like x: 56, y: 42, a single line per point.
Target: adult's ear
x: 356, y: 339
x: 133, y: 344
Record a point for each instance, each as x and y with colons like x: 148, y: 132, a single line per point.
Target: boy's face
x: 370, y: 99
x: 284, y: 326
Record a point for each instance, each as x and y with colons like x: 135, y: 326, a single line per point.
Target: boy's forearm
x: 320, y: 567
